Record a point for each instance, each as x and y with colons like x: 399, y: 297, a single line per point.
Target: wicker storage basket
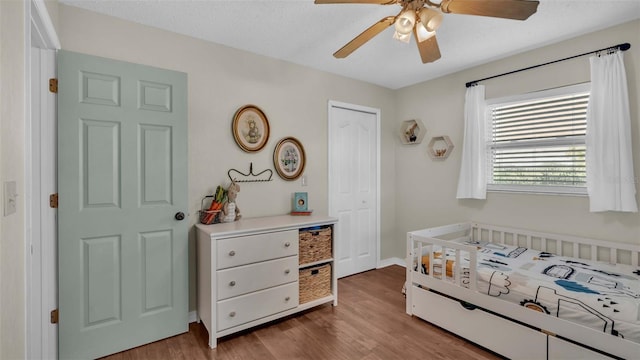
x: 314, y: 245
x: 315, y: 283
x: 208, y: 217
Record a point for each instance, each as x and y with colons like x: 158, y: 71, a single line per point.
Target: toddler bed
x: 526, y: 294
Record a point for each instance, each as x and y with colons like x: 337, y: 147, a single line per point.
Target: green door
x: 122, y: 180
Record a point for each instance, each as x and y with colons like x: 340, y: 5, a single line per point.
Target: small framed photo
x: 250, y: 128
x: 300, y: 201
x: 289, y: 158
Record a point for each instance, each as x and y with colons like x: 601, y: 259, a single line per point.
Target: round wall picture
x: 289, y: 158
x: 250, y: 128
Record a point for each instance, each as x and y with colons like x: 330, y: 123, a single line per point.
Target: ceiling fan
x: 423, y: 17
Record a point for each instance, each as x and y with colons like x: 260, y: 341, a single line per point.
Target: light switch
x: 304, y: 180
x: 10, y: 197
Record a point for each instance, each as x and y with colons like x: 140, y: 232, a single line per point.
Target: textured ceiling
x: 301, y: 32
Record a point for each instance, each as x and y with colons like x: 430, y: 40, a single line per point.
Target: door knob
x: 179, y: 215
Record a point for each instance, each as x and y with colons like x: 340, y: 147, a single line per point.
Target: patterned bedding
x: 601, y: 296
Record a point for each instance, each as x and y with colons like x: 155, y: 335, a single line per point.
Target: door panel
x: 155, y: 159
x: 122, y: 155
x: 354, y: 188
x: 101, y: 282
x: 100, y: 163
x: 155, y: 257
x: 99, y: 89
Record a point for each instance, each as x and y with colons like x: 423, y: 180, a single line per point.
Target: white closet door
x: 353, y: 185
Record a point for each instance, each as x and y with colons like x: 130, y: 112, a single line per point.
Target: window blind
x: 539, y: 141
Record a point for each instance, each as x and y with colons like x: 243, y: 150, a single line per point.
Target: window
x: 536, y: 142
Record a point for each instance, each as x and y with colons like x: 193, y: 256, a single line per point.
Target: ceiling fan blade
x: 379, y: 2
x: 507, y: 9
x: 429, y: 50
x: 366, y: 35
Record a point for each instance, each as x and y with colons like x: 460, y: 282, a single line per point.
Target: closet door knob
x: 287, y: 271
x: 287, y: 244
x: 232, y: 283
x: 232, y: 253
x: 287, y: 298
x: 232, y: 314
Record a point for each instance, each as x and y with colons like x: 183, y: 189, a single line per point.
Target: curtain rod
x: 623, y: 47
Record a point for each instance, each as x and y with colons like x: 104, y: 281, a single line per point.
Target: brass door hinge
x: 547, y: 332
x: 54, y: 316
x: 53, y: 85
x: 53, y: 200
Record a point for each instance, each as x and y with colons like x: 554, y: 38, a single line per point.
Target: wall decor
x: 299, y: 202
x: 289, y: 158
x: 250, y: 128
x: 238, y: 176
x: 412, y: 132
x: 440, y: 147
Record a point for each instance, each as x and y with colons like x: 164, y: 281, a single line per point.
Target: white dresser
x: 248, y: 272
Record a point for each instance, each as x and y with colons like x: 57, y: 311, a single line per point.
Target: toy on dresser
x: 230, y: 211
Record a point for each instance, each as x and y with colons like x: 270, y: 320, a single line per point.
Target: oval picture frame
x: 289, y: 158
x: 250, y: 128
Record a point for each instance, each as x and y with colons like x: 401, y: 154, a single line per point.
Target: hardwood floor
x: 369, y: 323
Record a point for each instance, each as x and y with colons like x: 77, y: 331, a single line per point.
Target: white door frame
x: 40, y: 234
x: 330, y: 166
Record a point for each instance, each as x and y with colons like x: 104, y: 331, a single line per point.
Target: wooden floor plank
x: 369, y: 323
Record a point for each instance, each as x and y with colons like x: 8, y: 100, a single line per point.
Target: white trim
x: 40, y: 254
x: 31, y: 346
x: 347, y: 106
x: 562, y: 90
x: 391, y: 261
x: 46, y: 33
x: 538, y: 190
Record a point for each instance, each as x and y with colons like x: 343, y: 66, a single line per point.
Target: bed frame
x: 503, y: 327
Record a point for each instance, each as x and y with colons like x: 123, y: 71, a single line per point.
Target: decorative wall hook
x: 250, y: 177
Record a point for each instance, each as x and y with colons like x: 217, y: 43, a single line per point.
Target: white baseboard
x: 193, y: 317
x: 391, y: 261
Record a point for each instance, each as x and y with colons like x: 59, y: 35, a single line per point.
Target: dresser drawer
x: 255, y: 248
x: 247, y: 278
x: 245, y: 308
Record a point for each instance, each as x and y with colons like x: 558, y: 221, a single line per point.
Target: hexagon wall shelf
x: 412, y: 132
x: 440, y: 147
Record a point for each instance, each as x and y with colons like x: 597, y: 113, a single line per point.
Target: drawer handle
x: 287, y: 298
x: 232, y: 314
x: 287, y: 271
x: 232, y: 253
x: 232, y: 283
x: 467, y: 305
x: 287, y: 244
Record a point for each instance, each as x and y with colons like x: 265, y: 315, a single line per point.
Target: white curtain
x: 610, y: 178
x: 472, y: 183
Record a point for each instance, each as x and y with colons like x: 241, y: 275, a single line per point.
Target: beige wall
x: 12, y: 239
x: 221, y: 79
x: 52, y: 10
x: 433, y: 198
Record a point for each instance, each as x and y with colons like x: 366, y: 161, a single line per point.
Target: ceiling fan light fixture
x: 431, y: 19
x: 422, y: 33
x: 405, y: 22
x: 405, y: 38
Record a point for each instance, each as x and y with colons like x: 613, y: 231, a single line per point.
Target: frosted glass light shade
x: 402, y: 37
x: 405, y: 22
x: 431, y: 19
x: 422, y: 33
